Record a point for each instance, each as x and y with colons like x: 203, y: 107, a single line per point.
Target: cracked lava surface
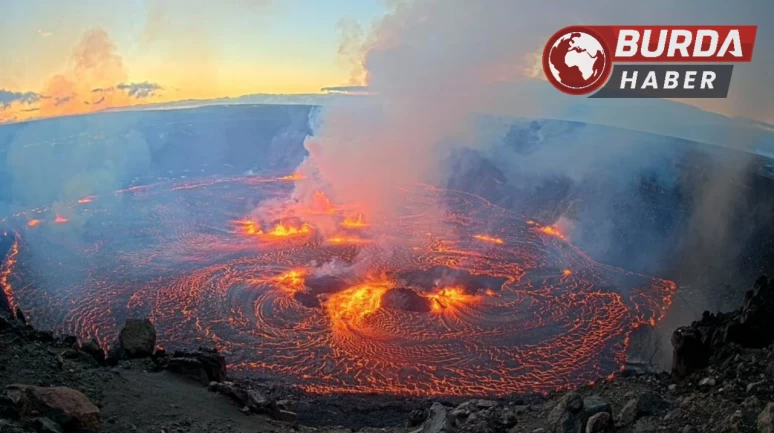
x: 454, y: 296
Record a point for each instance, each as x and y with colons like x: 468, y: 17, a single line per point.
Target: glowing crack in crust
x: 473, y: 300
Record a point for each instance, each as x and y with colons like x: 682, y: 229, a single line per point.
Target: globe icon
x: 577, y: 61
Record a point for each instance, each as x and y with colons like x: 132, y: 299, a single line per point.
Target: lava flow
x: 473, y: 300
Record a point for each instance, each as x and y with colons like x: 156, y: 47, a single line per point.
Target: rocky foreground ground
x: 722, y: 380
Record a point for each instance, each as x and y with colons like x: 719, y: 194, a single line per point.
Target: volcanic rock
x: 508, y: 418
x: 572, y: 413
x: 689, y: 353
x: 93, y: 348
x: 259, y: 403
x: 229, y: 389
x: 766, y: 419
x: 646, y: 424
x: 204, y: 365
x: 68, y: 340
x: 80, y: 356
x: 646, y: 404
x: 138, y: 338
x: 10, y: 427
x: 416, y: 417
x: 285, y: 416
x: 20, y: 315
x: 65, y: 406
x: 707, y: 382
x: 438, y: 420
x: 718, y: 336
x: 45, y: 425
x: 732, y: 423
x: 406, y: 300
x: 326, y: 284
x: 600, y: 423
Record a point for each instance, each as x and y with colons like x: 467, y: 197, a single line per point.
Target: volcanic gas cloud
x: 477, y: 300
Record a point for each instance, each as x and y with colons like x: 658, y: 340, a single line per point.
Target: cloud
x: 59, y: 100
x: 139, y: 90
x: 8, y: 97
x: 44, y: 34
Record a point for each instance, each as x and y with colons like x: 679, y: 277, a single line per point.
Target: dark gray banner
x: 667, y: 81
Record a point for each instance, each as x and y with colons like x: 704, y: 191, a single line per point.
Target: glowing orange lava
x: 292, y: 177
x: 350, y: 240
x: 86, y: 200
x: 6, y: 268
x: 292, y: 281
x: 552, y: 231
x: 282, y: 230
x: 60, y: 219
x: 450, y: 297
x: 352, y: 222
x: 424, y: 305
x: 33, y: 223
x: 490, y: 239
x: 348, y: 308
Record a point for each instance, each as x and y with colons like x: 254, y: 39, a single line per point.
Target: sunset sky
x: 170, y: 50
x: 65, y: 57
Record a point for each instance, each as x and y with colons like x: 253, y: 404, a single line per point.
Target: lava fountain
x: 480, y: 302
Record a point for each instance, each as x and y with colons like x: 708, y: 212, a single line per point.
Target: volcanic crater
x: 454, y: 296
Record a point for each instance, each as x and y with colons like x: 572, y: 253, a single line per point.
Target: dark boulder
x: 711, y: 340
x: 138, y: 338
x: 65, y: 406
x: 204, y: 365
x: 93, y: 349
x: 572, y: 413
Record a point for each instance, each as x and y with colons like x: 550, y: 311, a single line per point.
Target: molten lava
x: 279, y: 230
x: 490, y: 239
x: 6, y: 268
x: 350, y: 307
x: 282, y: 230
x: 351, y: 222
x: 60, y: 219
x: 413, y: 305
x: 33, y: 223
x: 349, y: 240
x: 552, y: 231
x: 292, y: 177
x: 450, y: 297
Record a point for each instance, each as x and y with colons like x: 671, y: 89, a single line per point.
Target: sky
x: 69, y: 57
x: 170, y: 49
